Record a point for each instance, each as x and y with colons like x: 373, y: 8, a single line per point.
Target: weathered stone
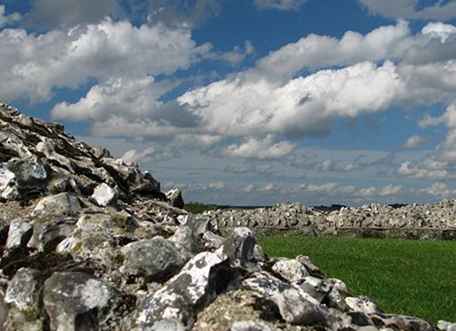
x: 8, y: 184
x: 166, y: 325
x: 154, y: 258
x: 20, y: 231
x: 59, y: 204
x: 23, y: 291
x: 76, y: 301
x: 212, y: 241
x: 184, y: 241
x: 23, y: 296
x: 362, y: 305
x: 30, y: 176
x: 174, y: 196
x: 48, y: 232
x: 3, y: 311
x: 295, y: 306
x: 239, y: 247
x: 291, y: 270
x: 446, y: 326
x: 405, y: 323
x: 249, y: 326
x: 104, y: 195
x: 177, y: 299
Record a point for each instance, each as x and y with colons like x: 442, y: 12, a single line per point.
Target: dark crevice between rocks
x: 268, y: 310
x: 87, y: 321
x: 3, y: 238
x: 46, y: 263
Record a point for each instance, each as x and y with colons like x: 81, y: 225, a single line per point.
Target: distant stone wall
x: 427, y: 221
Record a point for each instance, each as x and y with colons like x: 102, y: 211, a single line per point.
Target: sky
x: 249, y: 102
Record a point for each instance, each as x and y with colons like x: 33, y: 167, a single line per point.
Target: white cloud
x: 156, y: 153
x: 316, y: 51
x: 280, y: 4
x: 352, y: 191
x: 446, y: 150
x: 436, y: 42
x: 8, y: 19
x: 414, y: 142
x: 265, y: 149
x: 408, y: 9
x: 439, y: 189
x: 237, y: 55
x: 35, y: 64
x: 239, y: 107
x: 217, y: 185
x: 440, y: 30
x: 428, y: 168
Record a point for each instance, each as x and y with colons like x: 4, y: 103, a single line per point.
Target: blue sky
x: 249, y: 101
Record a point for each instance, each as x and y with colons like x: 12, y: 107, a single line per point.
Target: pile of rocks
x: 38, y: 158
x: 427, y: 221
x: 85, y: 258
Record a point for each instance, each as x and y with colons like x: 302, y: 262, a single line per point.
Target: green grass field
x: 409, y: 277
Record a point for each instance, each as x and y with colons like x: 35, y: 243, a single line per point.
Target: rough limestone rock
x: 104, y: 195
x: 240, y: 246
x: 74, y: 256
x: 362, y: 305
x: 8, y: 184
x: 179, y: 296
x: 175, y: 198
x: 59, y: 204
x: 75, y: 301
x: 23, y: 297
x: 154, y: 258
x: 250, y: 326
x: 295, y: 305
x: 291, y: 270
x: 18, y: 234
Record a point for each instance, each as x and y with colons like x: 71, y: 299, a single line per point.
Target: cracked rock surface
x: 89, y: 243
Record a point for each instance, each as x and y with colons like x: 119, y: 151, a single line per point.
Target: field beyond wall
x: 409, y: 277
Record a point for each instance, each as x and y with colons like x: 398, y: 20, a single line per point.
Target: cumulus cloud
x: 8, y: 19
x: 439, y: 189
x: 427, y: 168
x: 156, y: 153
x: 408, y: 9
x: 239, y: 107
x: 265, y: 149
x: 35, y: 64
x: 280, y: 4
x: 440, y: 30
x: 235, y: 56
x: 435, y: 43
x: 414, y: 142
x: 446, y: 150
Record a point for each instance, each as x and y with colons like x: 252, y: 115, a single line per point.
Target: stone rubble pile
x: 102, y: 253
x: 427, y: 221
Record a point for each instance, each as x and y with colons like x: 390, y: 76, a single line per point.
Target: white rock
x: 62, y: 203
x: 291, y: 270
x: 8, y: 185
x: 17, y: 230
x: 362, y: 305
x: 104, y: 195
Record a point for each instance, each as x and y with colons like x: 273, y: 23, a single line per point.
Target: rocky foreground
x: 88, y: 242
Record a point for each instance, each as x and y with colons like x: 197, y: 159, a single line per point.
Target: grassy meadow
x: 409, y: 277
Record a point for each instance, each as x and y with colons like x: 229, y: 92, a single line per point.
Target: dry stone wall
x: 427, y: 221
